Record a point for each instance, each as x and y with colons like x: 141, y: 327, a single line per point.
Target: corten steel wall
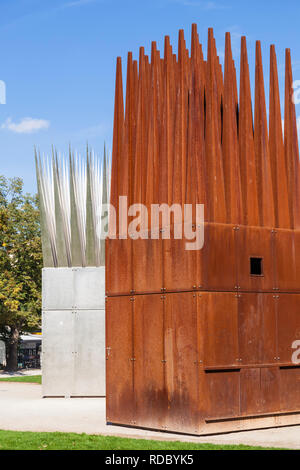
x: 195, y: 343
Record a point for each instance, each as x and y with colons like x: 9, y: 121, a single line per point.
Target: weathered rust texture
x: 250, y: 212
x: 288, y: 321
x: 196, y: 341
x: 230, y: 141
x: 220, y: 336
x: 119, y: 355
x: 180, y: 347
x: 257, y: 313
x: 287, y: 259
x: 119, y: 279
x: 255, y: 242
x: 147, y: 265
x: 215, y: 175
x: 179, y: 266
x: 215, y: 275
x: 262, y: 155
x: 276, y: 147
x: 149, y: 368
x: 291, y: 144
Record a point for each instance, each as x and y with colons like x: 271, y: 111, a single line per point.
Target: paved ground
x: 23, y: 409
x: 20, y: 373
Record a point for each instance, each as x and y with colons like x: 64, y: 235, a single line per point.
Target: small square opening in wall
x: 256, y: 266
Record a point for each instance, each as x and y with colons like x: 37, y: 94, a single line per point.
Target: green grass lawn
x: 15, y: 440
x: 37, y: 379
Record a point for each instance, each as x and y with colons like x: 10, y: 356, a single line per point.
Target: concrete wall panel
x: 73, y: 349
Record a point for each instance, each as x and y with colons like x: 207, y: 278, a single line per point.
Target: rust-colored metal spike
x: 196, y: 143
x: 261, y: 143
x: 152, y: 131
x: 117, y: 141
x: 291, y: 143
x: 159, y: 90
x: 279, y: 175
x: 216, y: 190
x: 182, y: 115
x: 250, y: 211
x: 126, y: 165
x: 194, y: 43
x: 230, y: 142
x: 168, y: 119
x: 140, y: 151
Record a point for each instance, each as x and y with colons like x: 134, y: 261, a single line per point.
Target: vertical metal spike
x: 279, y: 175
x: 230, y: 142
x: 291, y: 144
x: 261, y: 143
x: 250, y: 210
x: 48, y: 259
x: 216, y: 190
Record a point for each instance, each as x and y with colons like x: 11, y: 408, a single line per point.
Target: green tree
x: 20, y: 265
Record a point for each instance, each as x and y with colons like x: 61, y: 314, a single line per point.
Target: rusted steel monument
x: 202, y: 341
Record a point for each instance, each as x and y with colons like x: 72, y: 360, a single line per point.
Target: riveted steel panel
x: 119, y: 363
x: 89, y: 357
x: 89, y: 288
x: 270, y: 394
x: 181, y: 367
x: 287, y: 249
x: 257, y: 328
x: 73, y: 288
x: 118, y: 265
x: 57, y: 288
x: 219, y: 257
x: 288, y: 325
x: 79, y: 327
x: 179, y: 265
x: 220, y: 336
x: 250, y: 399
x: 58, y: 352
x: 147, y: 266
x: 290, y: 388
x: 255, y: 242
x: 149, y: 368
x: 259, y: 390
x: 223, y: 393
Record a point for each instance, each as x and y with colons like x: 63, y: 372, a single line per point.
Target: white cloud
x: 26, y: 125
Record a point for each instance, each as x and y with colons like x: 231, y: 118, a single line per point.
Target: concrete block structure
x: 73, y: 324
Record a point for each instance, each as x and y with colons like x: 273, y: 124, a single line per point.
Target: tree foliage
x: 20, y: 259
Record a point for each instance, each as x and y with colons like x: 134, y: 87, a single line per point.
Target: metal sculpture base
x: 73, y: 320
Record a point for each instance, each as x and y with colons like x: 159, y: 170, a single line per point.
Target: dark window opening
x: 256, y: 267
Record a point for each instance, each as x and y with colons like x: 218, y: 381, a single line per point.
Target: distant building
x: 29, y: 351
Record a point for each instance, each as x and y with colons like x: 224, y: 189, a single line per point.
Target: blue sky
x: 58, y: 61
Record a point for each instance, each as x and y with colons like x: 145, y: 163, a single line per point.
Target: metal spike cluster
x: 71, y: 197
x: 187, y: 137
